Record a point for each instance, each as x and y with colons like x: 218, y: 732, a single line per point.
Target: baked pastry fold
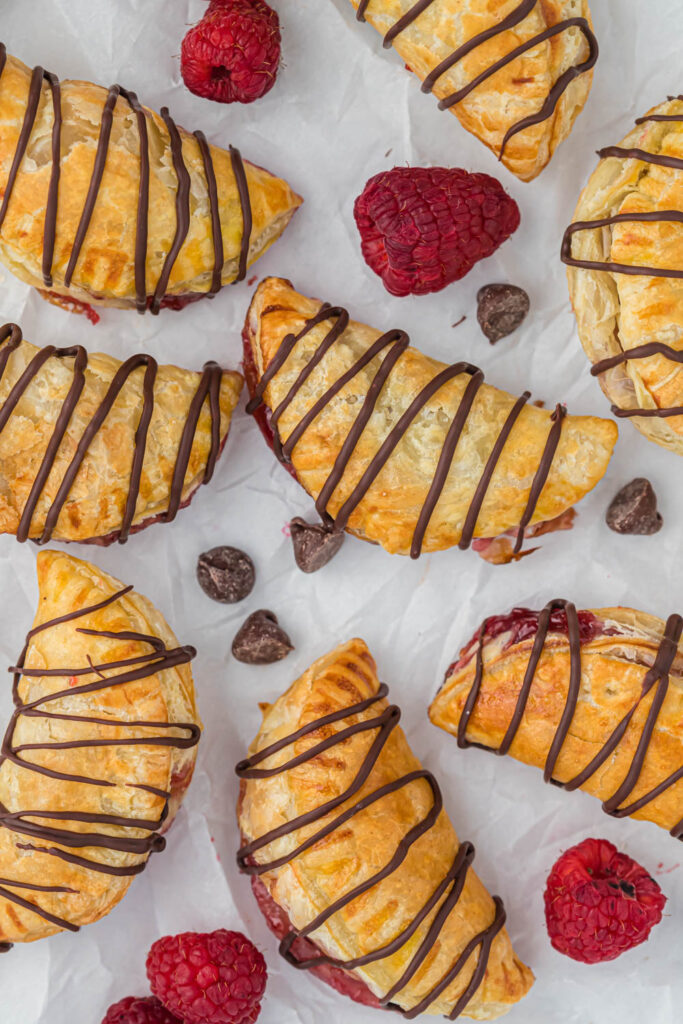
x: 625, y: 268
x: 345, y: 836
x: 516, y: 73
x: 106, y: 202
x: 400, y: 449
x: 594, y: 697
x: 98, y: 753
x: 92, y: 449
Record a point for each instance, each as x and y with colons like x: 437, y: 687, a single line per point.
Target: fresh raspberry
x: 423, y: 227
x: 218, y: 978
x: 232, y: 54
x: 599, y: 902
x: 135, y: 1010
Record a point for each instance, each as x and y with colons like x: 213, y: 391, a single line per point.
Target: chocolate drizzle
x: 522, y: 11
x: 116, y: 92
x: 445, y: 896
x: 208, y: 388
x: 654, y: 216
x: 180, y: 735
x: 396, y: 342
x: 657, y: 679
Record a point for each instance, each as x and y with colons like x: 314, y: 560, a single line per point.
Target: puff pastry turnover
x: 354, y: 860
x: 92, y: 449
x: 595, y: 698
x: 400, y: 449
x: 625, y: 259
x: 98, y: 752
x: 516, y: 73
x: 104, y: 201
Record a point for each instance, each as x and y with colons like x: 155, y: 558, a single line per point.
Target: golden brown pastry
x: 595, y: 698
x: 355, y: 863
x: 136, y: 212
x: 97, y: 755
x: 93, y: 450
x: 516, y: 73
x: 399, y: 449
x: 625, y: 258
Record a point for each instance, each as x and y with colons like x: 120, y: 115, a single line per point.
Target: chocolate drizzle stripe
x: 16, y: 821
x: 182, y: 209
x: 641, y: 154
x: 95, y: 181
x: 247, y: 215
x: 515, y: 17
x: 397, y: 342
x: 654, y: 216
x: 383, y: 724
x: 208, y: 388
x: 38, y: 77
x: 656, y: 679
x: 216, y: 229
x: 660, y: 117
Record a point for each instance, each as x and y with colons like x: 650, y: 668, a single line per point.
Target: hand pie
x: 595, y: 698
x: 625, y: 258
x: 400, y: 449
x: 354, y: 861
x: 516, y: 73
x: 97, y: 755
x: 106, y: 202
x: 93, y: 450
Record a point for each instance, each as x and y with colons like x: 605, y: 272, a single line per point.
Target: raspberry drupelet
x: 137, y: 1010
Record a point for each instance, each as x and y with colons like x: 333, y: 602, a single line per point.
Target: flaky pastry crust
x: 518, y: 89
x: 389, y: 511
x: 367, y: 841
x: 613, y: 669
x: 617, y: 313
x: 105, y: 271
x: 96, y: 503
x: 83, y: 894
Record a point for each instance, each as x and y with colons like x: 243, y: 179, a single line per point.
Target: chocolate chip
x: 260, y: 641
x: 314, y: 544
x: 501, y: 308
x: 226, y: 574
x: 634, y: 509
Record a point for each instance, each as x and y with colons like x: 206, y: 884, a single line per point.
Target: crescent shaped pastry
x: 106, y: 202
x: 594, y: 698
x: 400, y: 449
x: 516, y: 73
x: 92, y: 449
x: 354, y: 860
x: 625, y: 258
x: 97, y: 755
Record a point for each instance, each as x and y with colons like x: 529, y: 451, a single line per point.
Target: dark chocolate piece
x: 634, y: 509
x: 208, y: 389
x: 656, y: 678
x: 226, y: 574
x: 182, y: 192
x: 260, y: 640
x: 181, y: 735
x: 314, y: 544
x: 448, y: 891
x: 396, y: 342
x: 517, y: 15
x: 501, y: 308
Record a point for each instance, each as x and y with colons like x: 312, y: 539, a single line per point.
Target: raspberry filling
x: 78, y: 306
x: 303, y: 949
x: 522, y: 623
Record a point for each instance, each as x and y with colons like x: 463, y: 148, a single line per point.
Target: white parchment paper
x: 343, y: 109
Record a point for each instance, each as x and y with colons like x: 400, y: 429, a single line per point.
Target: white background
x: 340, y: 104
